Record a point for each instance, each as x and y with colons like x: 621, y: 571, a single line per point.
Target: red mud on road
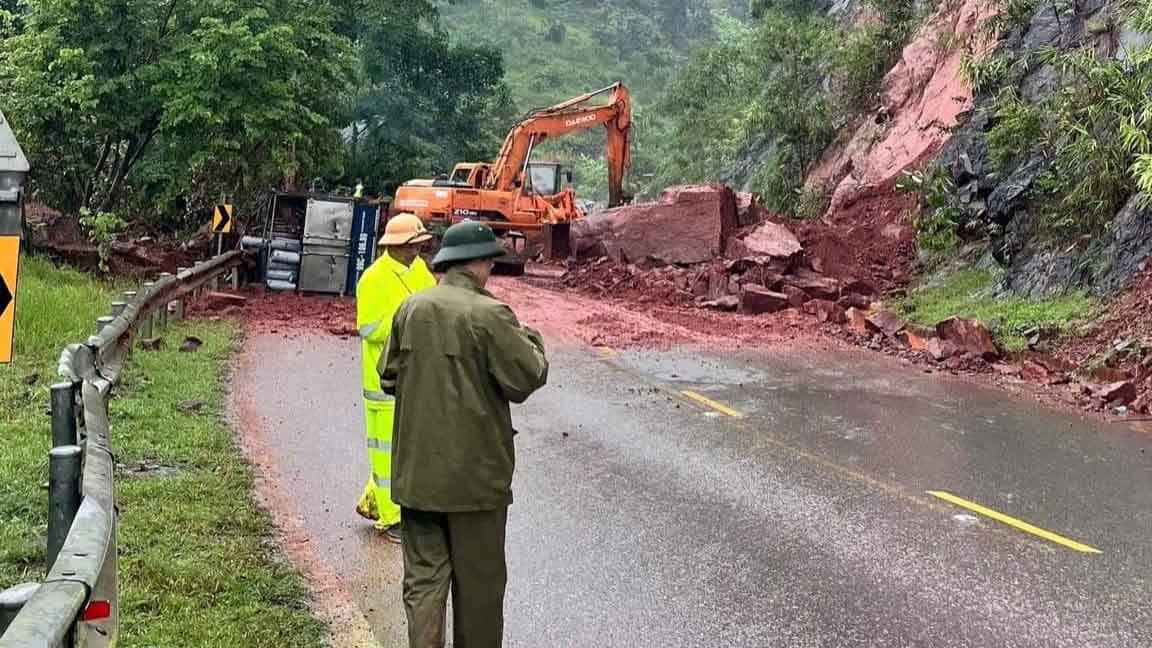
x: 284, y: 313
x: 567, y: 317
x: 571, y: 318
x: 563, y: 317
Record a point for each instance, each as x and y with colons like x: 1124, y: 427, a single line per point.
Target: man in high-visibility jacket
x: 398, y: 273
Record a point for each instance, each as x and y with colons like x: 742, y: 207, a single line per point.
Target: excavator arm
x: 568, y: 117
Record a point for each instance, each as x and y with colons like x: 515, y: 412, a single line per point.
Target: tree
x: 422, y: 102
x: 181, y: 93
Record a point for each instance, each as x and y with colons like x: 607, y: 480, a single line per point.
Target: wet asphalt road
x: 644, y: 519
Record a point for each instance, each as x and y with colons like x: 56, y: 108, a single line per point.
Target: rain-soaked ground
x: 786, y: 505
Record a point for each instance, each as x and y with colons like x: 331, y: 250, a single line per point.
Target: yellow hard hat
x: 404, y: 229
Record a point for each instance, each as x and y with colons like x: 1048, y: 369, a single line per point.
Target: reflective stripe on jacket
x: 456, y: 358
x: 382, y: 288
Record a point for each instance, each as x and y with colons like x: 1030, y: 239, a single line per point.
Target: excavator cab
x: 547, y: 178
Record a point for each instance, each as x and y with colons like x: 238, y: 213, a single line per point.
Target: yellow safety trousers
x: 379, y: 293
x: 378, y: 419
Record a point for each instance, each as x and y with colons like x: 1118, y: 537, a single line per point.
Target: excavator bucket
x: 557, y: 241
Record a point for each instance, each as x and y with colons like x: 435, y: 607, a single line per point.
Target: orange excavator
x: 517, y: 194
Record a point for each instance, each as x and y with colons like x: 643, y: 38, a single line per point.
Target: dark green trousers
x: 462, y: 553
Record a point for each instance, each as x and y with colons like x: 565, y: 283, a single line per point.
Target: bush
x: 944, y: 217
x: 102, y: 228
x: 1102, y: 122
x: 811, y: 203
x: 1018, y: 127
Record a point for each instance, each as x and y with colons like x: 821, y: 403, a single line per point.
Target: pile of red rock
x: 707, y: 245
x: 956, y: 342
x: 715, y: 249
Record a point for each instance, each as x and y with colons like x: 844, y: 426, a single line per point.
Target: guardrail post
x: 63, y: 414
x: 63, y: 495
x: 130, y: 299
x: 166, y: 307
x: 78, y: 408
x: 144, y: 324
x: 101, y: 322
x: 12, y: 600
x: 178, y: 305
x: 118, y: 308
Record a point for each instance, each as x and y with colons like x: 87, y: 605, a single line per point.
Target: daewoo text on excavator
x: 516, y: 194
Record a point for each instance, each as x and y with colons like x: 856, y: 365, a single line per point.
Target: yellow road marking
x: 708, y: 402
x: 855, y: 475
x: 607, y: 352
x: 1014, y: 523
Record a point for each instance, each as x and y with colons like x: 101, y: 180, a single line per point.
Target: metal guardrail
x: 78, y: 603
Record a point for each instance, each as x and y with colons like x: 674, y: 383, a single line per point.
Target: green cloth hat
x: 467, y: 241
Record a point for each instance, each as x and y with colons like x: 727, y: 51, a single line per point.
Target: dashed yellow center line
x: 708, y: 402
x: 1014, y: 523
x: 608, y: 353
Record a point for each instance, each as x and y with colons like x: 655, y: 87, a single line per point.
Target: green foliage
x: 862, y: 60
x: 235, y: 93
x: 1018, y: 126
x: 1012, y: 14
x: 971, y: 294
x: 767, y: 99
x: 986, y: 73
x: 764, y: 82
x: 11, y: 18
x: 1101, y: 123
x: 102, y: 229
x: 811, y: 203
x: 944, y: 217
x: 200, y: 526
x: 867, y: 52
x: 422, y: 102
x: 1095, y: 130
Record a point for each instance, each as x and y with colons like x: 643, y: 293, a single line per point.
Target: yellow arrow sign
x: 9, y: 267
x: 222, y: 219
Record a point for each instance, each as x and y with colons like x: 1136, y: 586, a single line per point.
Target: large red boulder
x: 758, y: 299
x: 815, y: 284
x: 887, y: 322
x: 969, y: 336
x: 826, y: 311
x: 940, y: 349
x: 796, y: 297
x: 689, y: 224
x: 915, y: 338
x: 858, y: 323
x: 1118, y: 393
x: 773, y: 240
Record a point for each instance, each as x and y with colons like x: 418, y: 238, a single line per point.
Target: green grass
x: 53, y: 308
x: 970, y: 294
x: 197, y: 563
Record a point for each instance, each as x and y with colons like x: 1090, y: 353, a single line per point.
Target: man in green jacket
x: 456, y: 358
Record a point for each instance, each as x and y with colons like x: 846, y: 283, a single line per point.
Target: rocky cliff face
x: 927, y: 116
x: 922, y: 100
x: 1037, y: 267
